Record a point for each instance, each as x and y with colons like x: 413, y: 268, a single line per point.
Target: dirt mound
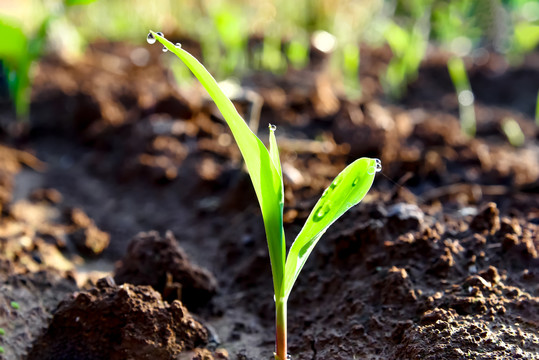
x: 164, y: 265
x: 119, y: 322
x: 27, y: 302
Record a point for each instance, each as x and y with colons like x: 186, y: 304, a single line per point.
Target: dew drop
x: 324, y: 194
x: 335, y: 182
x: 321, y: 212
x: 165, y: 49
x: 371, y: 170
x: 178, y: 45
x: 272, y: 127
x: 378, y: 164
x: 150, y: 38
x: 160, y: 33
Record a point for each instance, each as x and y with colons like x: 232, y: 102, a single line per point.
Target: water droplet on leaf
x: 371, y: 170
x: 324, y: 194
x: 321, y: 212
x: 160, y: 33
x: 378, y: 164
x: 272, y: 127
x: 178, y: 45
x: 165, y: 49
x: 335, y: 182
x: 150, y: 38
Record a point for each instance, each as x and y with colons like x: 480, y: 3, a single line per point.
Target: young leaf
x: 274, y: 150
x: 346, y: 190
x: 265, y: 176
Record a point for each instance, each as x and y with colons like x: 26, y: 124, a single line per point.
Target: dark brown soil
x: 162, y: 264
x: 118, y: 322
x: 440, y: 260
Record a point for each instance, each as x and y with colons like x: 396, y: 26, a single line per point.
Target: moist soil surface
x: 130, y: 230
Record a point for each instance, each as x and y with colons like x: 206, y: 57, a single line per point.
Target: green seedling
x: 457, y: 72
x: 19, y: 51
x: 351, y: 59
x: 264, y: 168
x: 514, y: 133
x: 297, y: 52
x: 408, y: 47
x: 2, y: 331
x: 15, y: 305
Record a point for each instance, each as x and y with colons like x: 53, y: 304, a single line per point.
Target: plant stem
x: 281, y: 345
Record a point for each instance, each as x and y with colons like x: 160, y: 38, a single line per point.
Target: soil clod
x: 119, y: 322
x: 163, y: 264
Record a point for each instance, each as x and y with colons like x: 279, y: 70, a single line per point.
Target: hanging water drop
x: 178, y: 45
x: 378, y: 164
x: 160, y: 33
x: 150, y: 38
x: 321, y: 212
x: 272, y: 127
x: 165, y: 49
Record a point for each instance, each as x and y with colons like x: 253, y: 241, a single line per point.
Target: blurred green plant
x: 19, y: 51
x: 15, y: 305
x: 513, y: 132
x: 281, y: 31
x: 409, y: 47
x: 297, y: 51
x: 457, y: 72
x: 264, y: 167
x: 226, y: 52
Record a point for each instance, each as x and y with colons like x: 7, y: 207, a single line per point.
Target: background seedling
x: 457, y: 72
x: 514, y: 133
x: 409, y: 47
x: 264, y: 168
x: 19, y: 50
